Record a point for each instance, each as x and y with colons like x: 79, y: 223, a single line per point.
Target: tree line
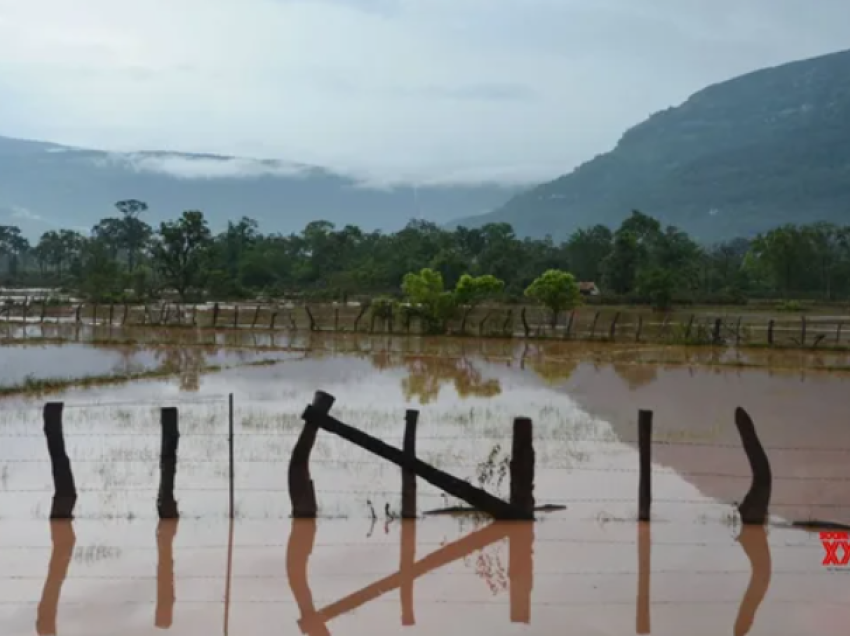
x: 125, y: 258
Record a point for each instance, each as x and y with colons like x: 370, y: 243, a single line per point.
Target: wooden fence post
x: 94, y: 314
x: 639, y: 328
x: 408, y: 477
x: 43, y: 310
x: 689, y: 327
x: 166, y: 530
x: 593, y: 326
x: 522, y: 466
x: 754, y: 507
x: 165, y: 503
x: 25, y: 309
x: 272, y: 320
x: 126, y: 313
x: 79, y: 311
x: 235, y: 315
x: 770, y: 331
x: 310, y: 317
x: 111, y: 312
x: 838, y: 332
x: 570, y: 324
x: 525, y: 327
x: 613, y: 331
x: 645, y: 451
x: 302, y: 493
x: 216, y: 309
x: 256, y: 317
x: 738, y: 332
x: 803, y: 326
x: 194, y: 314
x: 231, y: 458
x: 336, y: 318
x: 65, y: 491
x: 718, y: 323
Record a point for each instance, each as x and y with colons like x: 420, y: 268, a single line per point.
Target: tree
x: 180, y: 252
x: 13, y: 245
x: 587, y: 249
x: 557, y: 291
x: 657, y: 284
x: 425, y: 292
x: 471, y: 290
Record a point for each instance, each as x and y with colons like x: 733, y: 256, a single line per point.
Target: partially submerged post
x: 645, y: 451
x: 522, y: 466
x: 166, y: 504
x: 408, y: 477
x: 302, y: 493
x: 754, y: 507
x: 65, y: 491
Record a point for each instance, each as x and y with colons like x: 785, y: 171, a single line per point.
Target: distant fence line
x: 527, y: 321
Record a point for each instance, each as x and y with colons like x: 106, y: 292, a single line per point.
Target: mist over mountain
x: 739, y: 157
x: 44, y: 186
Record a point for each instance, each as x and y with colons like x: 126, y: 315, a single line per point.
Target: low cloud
x: 189, y: 167
x: 22, y: 213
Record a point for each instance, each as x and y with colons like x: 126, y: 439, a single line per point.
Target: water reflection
x: 63, y: 540
x: 165, y: 596
x: 753, y: 539
x: 427, y: 375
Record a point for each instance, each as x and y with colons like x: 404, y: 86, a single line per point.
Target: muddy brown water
x: 588, y: 569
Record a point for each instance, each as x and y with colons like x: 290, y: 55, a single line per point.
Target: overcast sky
x: 421, y: 90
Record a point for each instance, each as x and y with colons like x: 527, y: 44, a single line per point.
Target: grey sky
x: 423, y: 90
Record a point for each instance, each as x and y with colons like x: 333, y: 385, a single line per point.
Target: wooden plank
x: 459, y: 488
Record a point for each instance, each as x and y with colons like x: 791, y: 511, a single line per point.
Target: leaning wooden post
x: 593, y: 326
x: 408, y: 477
x: 302, y: 493
x: 754, y: 507
x: 612, y: 333
x: 569, y: 329
x: 522, y: 466
x: 164, y: 612
x: 645, y: 451
x: 256, y: 317
x: 65, y: 491
x: 165, y: 503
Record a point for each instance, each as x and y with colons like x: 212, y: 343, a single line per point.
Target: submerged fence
x: 258, y: 464
x: 214, y: 433
x: 586, y: 323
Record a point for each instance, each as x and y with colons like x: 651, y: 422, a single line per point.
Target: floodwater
x: 590, y: 568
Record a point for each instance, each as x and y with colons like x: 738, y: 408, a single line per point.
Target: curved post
x: 302, y: 538
x: 302, y: 494
x: 754, y: 507
x: 63, y: 538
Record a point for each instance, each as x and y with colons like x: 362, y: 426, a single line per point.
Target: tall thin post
x: 612, y: 332
x: 754, y: 507
x: 302, y: 493
x: 408, y: 477
x: 645, y: 451
x: 230, y: 449
x: 65, y: 491
x: 235, y: 316
x: 256, y: 317
x: 803, y: 326
x: 770, y: 331
x: 216, y: 309
x: 165, y: 503
x: 522, y: 466
x: 639, y: 328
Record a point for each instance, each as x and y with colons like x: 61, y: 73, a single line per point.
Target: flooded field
x: 359, y: 569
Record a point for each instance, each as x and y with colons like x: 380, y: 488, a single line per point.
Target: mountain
x: 737, y: 158
x: 44, y: 186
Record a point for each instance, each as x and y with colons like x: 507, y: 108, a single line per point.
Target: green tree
x: 557, y: 291
x: 426, y: 293
x: 180, y: 252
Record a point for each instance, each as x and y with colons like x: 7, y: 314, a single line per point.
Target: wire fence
x: 114, y: 449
